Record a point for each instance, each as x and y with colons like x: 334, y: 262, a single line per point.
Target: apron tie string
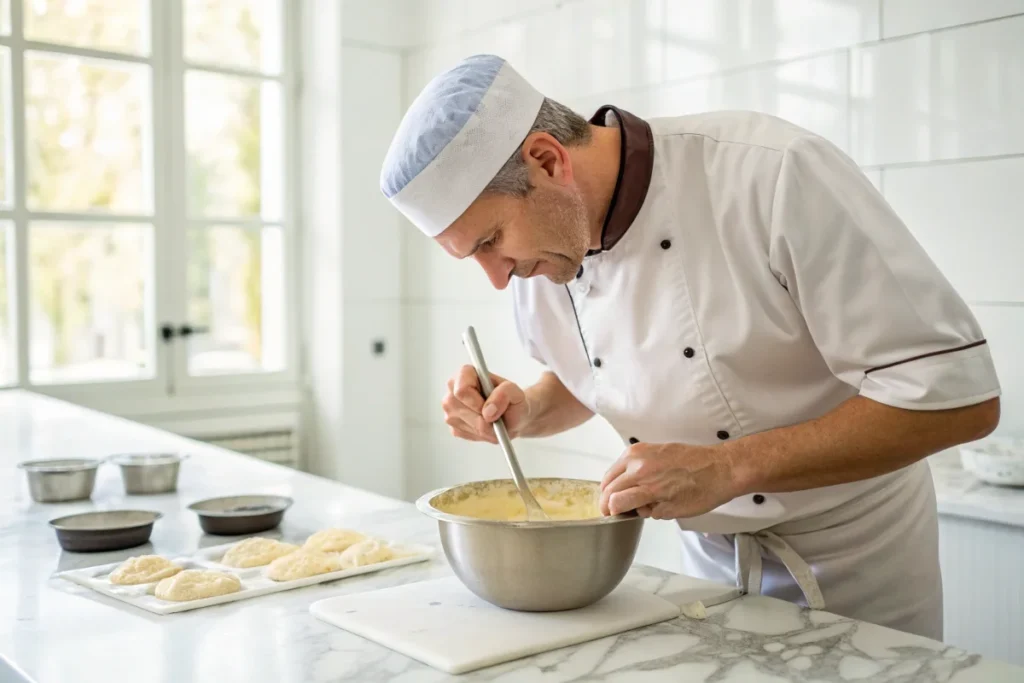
x: 749, y: 569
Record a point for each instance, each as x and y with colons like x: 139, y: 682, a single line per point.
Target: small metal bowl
x: 534, y: 566
x: 61, y: 481
x: 145, y: 473
x: 236, y: 515
x: 91, y: 532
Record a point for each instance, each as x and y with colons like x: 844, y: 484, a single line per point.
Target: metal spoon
x: 533, y: 508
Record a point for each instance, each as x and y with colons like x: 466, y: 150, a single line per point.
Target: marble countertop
x: 55, y: 631
x: 959, y: 493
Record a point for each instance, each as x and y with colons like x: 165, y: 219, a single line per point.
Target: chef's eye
x: 492, y: 242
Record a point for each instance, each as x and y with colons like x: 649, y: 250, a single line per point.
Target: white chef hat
x: 454, y: 139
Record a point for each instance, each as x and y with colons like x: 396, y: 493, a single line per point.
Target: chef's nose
x: 498, y: 268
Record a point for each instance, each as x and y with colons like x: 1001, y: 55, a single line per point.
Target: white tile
x: 808, y: 92
x: 911, y: 16
x: 371, y: 455
x: 940, y: 95
x: 617, y: 44
x: 488, y: 12
x: 706, y: 36
x: 371, y: 111
x: 1004, y: 329
x: 388, y: 23
x: 967, y: 217
x: 550, y: 60
x: 434, y: 351
x: 511, y: 42
x: 442, y: 19
x: 414, y: 64
x: 875, y: 176
x: 811, y: 93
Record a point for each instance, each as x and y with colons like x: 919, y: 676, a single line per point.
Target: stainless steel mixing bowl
x: 60, y: 480
x: 541, y: 566
x: 149, y: 472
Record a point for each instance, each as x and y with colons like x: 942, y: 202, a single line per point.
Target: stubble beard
x: 570, y: 232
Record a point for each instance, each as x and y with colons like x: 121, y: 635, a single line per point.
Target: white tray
x: 254, y: 581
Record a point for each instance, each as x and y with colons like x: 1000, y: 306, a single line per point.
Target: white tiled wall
x: 926, y: 94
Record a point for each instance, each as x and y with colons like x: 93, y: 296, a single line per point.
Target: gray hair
x: 558, y: 121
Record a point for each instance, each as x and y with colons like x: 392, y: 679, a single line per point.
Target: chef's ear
x: 547, y: 159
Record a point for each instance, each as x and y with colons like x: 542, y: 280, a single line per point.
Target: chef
x: 730, y: 293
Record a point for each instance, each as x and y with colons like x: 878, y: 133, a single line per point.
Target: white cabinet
x: 983, y: 586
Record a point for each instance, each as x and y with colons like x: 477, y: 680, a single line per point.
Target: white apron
x: 758, y: 282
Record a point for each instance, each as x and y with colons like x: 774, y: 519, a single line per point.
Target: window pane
x: 120, y: 25
x: 5, y: 17
x: 6, y: 162
x: 233, y: 130
x: 88, y: 134
x: 236, y: 289
x: 89, y: 302
x: 8, y: 362
x: 238, y: 33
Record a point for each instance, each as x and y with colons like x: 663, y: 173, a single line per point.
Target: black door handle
x: 169, y: 331
x: 187, y: 330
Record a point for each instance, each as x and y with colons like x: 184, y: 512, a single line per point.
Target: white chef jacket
x: 760, y: 281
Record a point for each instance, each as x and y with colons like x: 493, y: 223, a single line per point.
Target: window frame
x: 169, y: 219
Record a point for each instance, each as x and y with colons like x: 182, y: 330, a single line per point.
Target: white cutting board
x: 442, y: 624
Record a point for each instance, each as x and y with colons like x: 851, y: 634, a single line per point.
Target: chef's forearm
x: 858, y: 440
x: 553, y: 408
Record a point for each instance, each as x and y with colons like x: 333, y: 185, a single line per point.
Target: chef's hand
x: 472, y: 418
x: 667, y: 481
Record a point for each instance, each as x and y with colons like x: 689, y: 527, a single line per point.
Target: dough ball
x: 370, y: 551
x: 196, y: 584
x: 333, y: 540
x: 302, y: 564
x: 256, y: 552
x: 143, y: 569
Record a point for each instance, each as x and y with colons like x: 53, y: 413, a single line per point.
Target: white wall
x: 925, y: 94
x: 352, y: 103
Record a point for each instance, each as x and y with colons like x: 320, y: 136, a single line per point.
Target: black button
x: 665, y: 244
x: 597, y: 362
x: 579, y: 273
x: 688, y: 352
x: 633, y: 439
x: 723, y: 435
x: 758, y: 498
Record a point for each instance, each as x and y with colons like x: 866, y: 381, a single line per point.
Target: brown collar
x: 636, y: 163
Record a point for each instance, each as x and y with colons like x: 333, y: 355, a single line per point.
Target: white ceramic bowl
x: 995, y: 460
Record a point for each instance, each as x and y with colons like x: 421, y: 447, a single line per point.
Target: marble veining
x: 59, y: 632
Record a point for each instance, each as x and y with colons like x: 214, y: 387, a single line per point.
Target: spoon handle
x: 533, y: 508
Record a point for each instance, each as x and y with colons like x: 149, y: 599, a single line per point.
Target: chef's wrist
x: 743, y: 476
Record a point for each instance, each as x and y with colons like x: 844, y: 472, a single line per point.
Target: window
x: 146, y: 223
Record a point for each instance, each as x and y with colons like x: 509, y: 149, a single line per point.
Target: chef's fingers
x: 504, y: 395
x: 630, y: 499
x: 466, y: 388
x: 463, y: 434
x: 625, y: 480
x: 644, y: 510
x: 617, y: 468
x: 663, y: 511
x: 469, y: 422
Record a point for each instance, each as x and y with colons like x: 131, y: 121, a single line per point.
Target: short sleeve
x: 882, y: 315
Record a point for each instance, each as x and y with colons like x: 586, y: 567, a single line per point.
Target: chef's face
x: 545, y: 233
